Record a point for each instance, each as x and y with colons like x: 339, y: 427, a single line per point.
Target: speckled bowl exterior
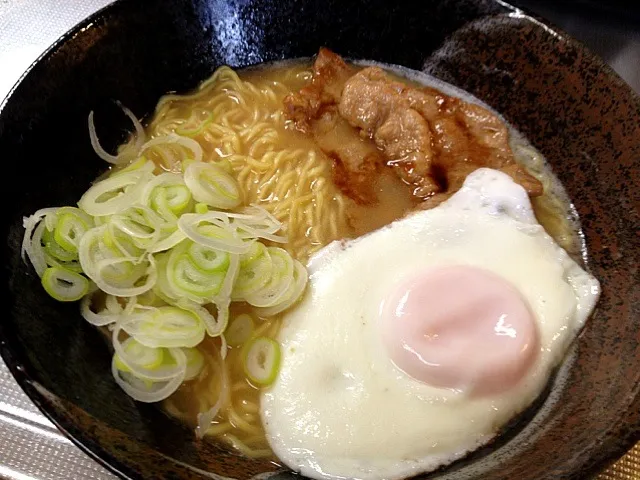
x: 566, y: 101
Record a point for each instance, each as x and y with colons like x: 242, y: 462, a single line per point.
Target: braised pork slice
x: 365, y: 120
x: 356, y: 161
x: 382, y: 110
x: 426, y: 134
x: 314, y: 110
x: 330, y: 72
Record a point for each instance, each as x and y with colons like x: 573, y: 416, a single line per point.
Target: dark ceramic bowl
x: 566, y: 101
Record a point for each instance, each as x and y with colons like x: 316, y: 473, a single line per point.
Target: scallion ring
x: 64, y: 285
x: 210, y: 184
x: 239, y: 330
x: 207, y: 230
x: 173, y: 139
x: 293, y: 294
x: 114, y: 194
x: 281, y: 277
x: 262, y: 360
x: 195, y: 363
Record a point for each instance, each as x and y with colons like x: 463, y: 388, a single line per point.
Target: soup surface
x: 238, y: 117
x: 290, y: 239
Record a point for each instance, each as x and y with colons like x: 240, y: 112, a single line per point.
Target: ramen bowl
x: 572, y: 108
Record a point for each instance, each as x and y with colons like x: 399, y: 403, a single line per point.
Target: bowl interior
x: 571, y: 107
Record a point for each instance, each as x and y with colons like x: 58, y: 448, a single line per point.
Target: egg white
x: 341, y: 409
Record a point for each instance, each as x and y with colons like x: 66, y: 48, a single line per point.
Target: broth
x: 237, y: 119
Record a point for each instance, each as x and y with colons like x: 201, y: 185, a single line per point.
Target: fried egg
x: 416, y: 343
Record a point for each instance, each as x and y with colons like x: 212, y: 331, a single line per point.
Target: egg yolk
x: 460, y: 327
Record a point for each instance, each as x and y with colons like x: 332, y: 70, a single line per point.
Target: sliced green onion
x: 225, y: 164
x: 118, y: 261
x: 185, y: 163
x: 51, y: 219
x: 73, y: 266
x: 215, y: 217
x: 262, y: 360
x: 64, y: 285
x: 167, y: 327
x: 141, y: 225
x: 255, y: 250
x: 173, y: 139
x: 257, y: 216
x: 52, y: 254
x: 72, y: 223
x: 210, y: 184
x: 208, y: 259
x: 254, y: 274
x: 134, y: 357
x: 143, y: 389
x: 140, y: 165
x: 117, y: 275
x: 224, y: 346
x: 112, y: 313
x: 102, y: 220
x: 256, y: 222
x: 195, y: 363
x: 98, y: 319
x: 185, y: 278
x: 114, y: 194
x: 206, y: 230
x: 224, y: 295
x: 95, y: 143
x: 32, y: 240
x: 293, y: 294
x: 250, y: 223
x: 178, y: 198
x: 188, y: 280
x: 119, y: 244
x: 168, y: 242
x: 214, y: 324
x: 148, y: 358
x: 149, y: 299
x: 239, y: 330
x: 54, y: 250
x: 205, y: 418
x: 201, y: 208
x: 140, y: 135
x: 117, y: 305
x: 121, y: 273
x: 167, y: 195
x: 162, y: 288
x: 278, y: 285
